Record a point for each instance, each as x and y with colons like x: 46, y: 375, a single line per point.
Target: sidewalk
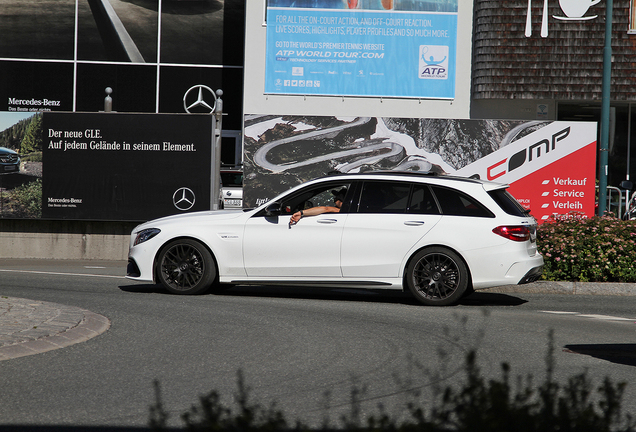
x: 31, y: 327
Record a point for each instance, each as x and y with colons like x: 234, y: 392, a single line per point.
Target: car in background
x: 231, y: 188
x: 437, y: 236
x: 9, y: 161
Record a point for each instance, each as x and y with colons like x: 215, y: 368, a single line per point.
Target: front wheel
x: 437, y: 276
x: 186, y: 267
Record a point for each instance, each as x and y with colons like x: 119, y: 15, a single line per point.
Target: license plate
x: 11, y: 168
x: 233, y: 202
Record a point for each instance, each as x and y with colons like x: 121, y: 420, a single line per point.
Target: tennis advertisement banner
x: 352, y: 48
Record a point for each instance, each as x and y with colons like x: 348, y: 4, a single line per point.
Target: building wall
x: 558, y: 59
x: 513, y: 109
x: 42, y: 239
x: 526, y: 61
x: 256, y: 102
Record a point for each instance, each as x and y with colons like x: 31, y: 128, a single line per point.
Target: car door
x: 309, y: 249
x: 388, y: 221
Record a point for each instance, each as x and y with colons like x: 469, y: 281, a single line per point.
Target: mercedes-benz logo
x: 200, y: 101
x: 183, y: 199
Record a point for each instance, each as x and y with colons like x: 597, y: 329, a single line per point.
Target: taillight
x: 514, y: 233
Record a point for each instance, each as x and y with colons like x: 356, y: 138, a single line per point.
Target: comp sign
x: 333, y: 50
x: 551, y: 171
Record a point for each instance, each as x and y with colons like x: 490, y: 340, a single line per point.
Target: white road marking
x: 60, y: 274
x: 592, y: 316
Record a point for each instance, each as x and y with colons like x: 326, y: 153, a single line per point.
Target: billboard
x: 352, y: 48
x: 550, y: 165
x: 61, y: 55
x: 550, y: 172
x: 108, y: 166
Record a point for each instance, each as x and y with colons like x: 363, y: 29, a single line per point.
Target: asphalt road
x: 305, y: 349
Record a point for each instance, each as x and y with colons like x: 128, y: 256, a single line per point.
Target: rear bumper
x: 532, y: 276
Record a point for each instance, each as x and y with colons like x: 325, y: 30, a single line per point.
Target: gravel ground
x: 31, y: 168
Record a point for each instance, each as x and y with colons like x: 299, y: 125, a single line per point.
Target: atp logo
x: 433, y: 62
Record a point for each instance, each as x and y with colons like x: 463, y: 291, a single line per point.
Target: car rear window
x: 456, y: 203
x: 507, y: 202
x: 422, y: 201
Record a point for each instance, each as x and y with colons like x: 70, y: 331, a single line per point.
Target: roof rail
x: 407, y: 173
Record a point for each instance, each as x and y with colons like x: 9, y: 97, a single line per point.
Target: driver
x: 314, y: 211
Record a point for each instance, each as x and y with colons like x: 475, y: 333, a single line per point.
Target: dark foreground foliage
x: 479, y: 404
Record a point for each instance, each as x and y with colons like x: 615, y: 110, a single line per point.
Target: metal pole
x: 605, y: 109
x: 216, y: 151
x: 629, y: 145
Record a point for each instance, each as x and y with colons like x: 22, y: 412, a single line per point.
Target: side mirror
x: 627, y: 184
x: 273, y: 209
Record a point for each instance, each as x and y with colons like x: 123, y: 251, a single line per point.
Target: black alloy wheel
x: 186, y: 267
x: 437, y: 276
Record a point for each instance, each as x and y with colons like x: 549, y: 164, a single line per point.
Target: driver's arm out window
x: 320, y: 196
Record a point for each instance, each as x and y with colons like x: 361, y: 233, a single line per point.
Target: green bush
x: 599, y: 249
x: 28, y: 200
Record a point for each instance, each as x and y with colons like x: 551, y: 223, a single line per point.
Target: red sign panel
x: 551, y: 171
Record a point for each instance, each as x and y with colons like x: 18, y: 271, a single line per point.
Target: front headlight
x: 145, y: 235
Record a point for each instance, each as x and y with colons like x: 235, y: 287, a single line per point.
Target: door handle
x: 327, y: 221
x: 414, y: 223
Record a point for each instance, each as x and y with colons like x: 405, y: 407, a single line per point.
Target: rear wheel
x: 186, y: 267
x: 437, y: 276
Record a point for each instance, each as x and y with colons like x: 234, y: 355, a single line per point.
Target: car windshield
x: 232, y: 179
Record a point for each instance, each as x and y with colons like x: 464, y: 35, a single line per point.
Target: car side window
x: 456, y: 203
x: 422, y: 201
x: 384, y: 197
x: 318, y: 196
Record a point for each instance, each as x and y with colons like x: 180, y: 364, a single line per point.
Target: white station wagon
x: 438, y: 236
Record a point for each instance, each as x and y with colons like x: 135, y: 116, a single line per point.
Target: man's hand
x: 295, y: 218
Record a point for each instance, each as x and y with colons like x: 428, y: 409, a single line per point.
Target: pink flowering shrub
x: 599, y: 249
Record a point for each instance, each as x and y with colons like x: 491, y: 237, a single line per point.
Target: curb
x: 30, y: 327
x: 571, y: 288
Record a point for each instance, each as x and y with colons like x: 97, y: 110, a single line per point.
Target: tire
x: 437, y: 276
x: 186, y: 267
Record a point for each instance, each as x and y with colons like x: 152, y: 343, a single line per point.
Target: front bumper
x: 9, y: 168
x: 132, y: 270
